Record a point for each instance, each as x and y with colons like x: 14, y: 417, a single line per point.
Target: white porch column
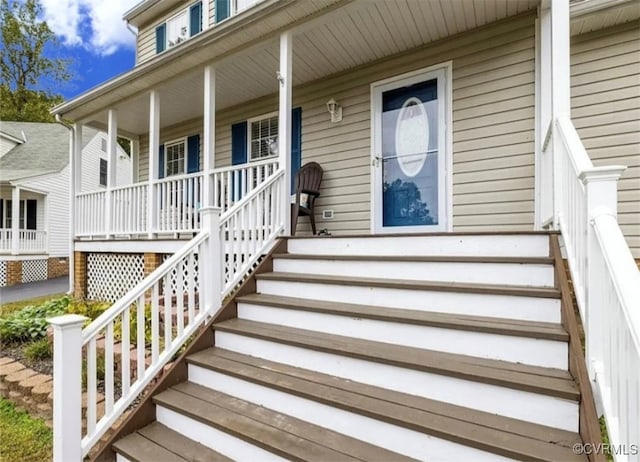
x: 154, y: 147
x: 209, y: 135
x: 560, y: 85
x: 15, y: 220
x: 75, y: 187
x: 284, y: 124
x: 112, y: 153
x: 67, y: 387
x: 601, y: 185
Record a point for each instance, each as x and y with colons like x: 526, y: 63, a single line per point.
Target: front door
x: 410, y: 156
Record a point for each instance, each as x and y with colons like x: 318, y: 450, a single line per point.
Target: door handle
x: 375, y: 162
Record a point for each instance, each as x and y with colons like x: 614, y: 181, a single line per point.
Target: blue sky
x: 93, y: 34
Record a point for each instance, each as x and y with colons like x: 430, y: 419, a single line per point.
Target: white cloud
x: 96, y: 25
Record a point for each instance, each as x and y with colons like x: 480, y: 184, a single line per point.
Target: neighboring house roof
x: 45, y: 150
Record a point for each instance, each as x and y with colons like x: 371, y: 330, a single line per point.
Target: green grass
x: 23, y: 438
x: 7, y: 308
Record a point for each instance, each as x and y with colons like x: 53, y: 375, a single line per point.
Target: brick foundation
x: 57, y: 267
x: 151, y: 262
x: 14, y: 272
x: 80, y: 274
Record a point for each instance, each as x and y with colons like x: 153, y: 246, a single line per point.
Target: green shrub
x: 30, y: 323
x: 100, y: 369
x: 88, y: 308
x: 38, y: 350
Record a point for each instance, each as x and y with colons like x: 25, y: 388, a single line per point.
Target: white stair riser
x: 121, y: 458
x: 504, y: 401
x: 446, y: 245
x: 224, y: 443
x: 392, y: 437
x: 501, y: 306
x: 480, y: 273
x: 546, y: 353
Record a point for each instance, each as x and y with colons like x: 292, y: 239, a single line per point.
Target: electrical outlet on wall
x: 327, y: 214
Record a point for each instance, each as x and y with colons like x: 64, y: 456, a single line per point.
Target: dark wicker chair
x: 307, y: 182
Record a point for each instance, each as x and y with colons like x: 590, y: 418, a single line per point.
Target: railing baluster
x: 168, y: 321
x: 140, y: 337
x: 180, y: 298
x: 92, y: 386
x: 155, y: 314
x: 192, y: 285
x: 108, y: 369
x: 125, y: 351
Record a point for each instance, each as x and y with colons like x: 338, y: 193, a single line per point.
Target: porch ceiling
x: 359, y: 32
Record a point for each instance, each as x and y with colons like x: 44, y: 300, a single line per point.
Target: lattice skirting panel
x: 34, y: 270
x: 112, y: 275
x: 189, y: 272
x: 3, y: 273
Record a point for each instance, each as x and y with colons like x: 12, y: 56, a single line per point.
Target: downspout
x: 72, y: 195
x: 134, y: 31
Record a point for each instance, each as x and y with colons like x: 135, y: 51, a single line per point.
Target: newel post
x: 67, y: 387
x: 210, y: 260
x: 601, y: 186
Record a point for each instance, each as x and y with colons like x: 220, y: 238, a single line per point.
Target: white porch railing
x: 135, y: 338
x: 178, y: 199
x: 129, y: 209
x: 90, y: 212
x: 606, y: 282
x: 31, y: 241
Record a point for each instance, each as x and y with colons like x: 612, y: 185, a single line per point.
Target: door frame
x: 446, y: 182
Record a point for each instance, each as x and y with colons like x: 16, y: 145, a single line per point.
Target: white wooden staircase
x: 440, y: 348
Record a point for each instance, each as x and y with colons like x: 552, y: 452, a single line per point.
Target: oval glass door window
x: 412, y: 137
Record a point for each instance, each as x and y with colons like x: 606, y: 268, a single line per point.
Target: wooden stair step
x: 484, y: 431
x: 418, y: 258
x: 460, y: 287
x: 283, y: 435
x: 535, y: 379
x: 157, y: 443
x: 485, y: 324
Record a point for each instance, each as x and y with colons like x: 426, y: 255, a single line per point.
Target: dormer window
x: 179, y: 27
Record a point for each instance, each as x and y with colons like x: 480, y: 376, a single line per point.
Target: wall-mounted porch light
x: 335, y: 110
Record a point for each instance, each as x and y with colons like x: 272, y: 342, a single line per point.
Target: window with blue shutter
x: 222, y: 10
x: 238, y: 154
x: 161, y: 38
x: 195, y: 19
x: 239, y: 136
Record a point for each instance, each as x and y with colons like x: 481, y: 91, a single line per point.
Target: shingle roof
x: 46, y: 149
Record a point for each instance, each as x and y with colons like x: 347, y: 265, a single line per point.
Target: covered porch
x: 23, y: 227
x: 187, y: 128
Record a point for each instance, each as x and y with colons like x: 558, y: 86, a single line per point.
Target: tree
x: 24, y: 68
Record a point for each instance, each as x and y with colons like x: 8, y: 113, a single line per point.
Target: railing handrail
x: 622, y: 268
x: 230, y: 168
x: 250, y: 195
x: 182, y: 176
x: 577, y: 152
x: 253, y: 163
x: 147, y: 283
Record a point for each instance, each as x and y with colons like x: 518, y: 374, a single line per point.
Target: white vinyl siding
x: 54, y: 216
x: 91, y: 155
x: 493, y: 130
x: 605, y: 104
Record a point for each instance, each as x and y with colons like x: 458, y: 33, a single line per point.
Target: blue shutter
x: 161, y: 162
x: 296, y: 144
x: 195, y: 18
x: 222, y: 10
x: 238, y: 154
x: 193, y: 154
x: 161, y: 38
x: 239, y: 143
